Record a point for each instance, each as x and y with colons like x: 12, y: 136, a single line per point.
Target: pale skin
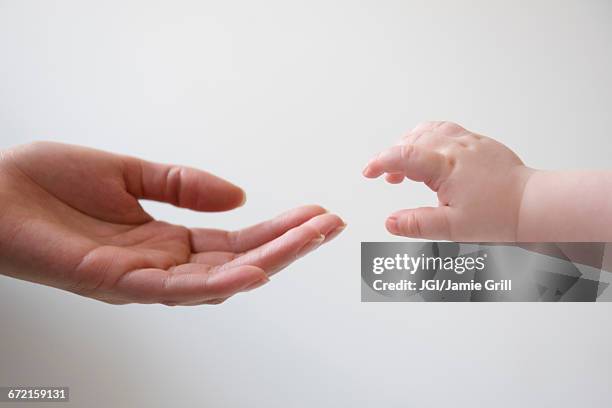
x: 70, y: 218
x: 486, y: 193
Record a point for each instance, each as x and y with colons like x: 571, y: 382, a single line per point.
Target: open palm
x: 70, y: 218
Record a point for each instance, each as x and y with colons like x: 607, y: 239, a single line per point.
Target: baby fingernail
x: 392, y: 225
x: 257, y: 284
x: 310, y: 246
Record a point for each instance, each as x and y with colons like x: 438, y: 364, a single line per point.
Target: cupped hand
x: 70, y: 217
x: 479, y: 183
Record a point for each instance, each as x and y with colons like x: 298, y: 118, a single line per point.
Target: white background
x: 289, y: 100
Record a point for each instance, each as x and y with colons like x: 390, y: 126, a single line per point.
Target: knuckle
x: 450, y: 127
x: 469, y: 140
x: 407, y: 151
x: 232, y: 238
x: 174, y: 179
x: 205, y: 283
x: 411, y: 225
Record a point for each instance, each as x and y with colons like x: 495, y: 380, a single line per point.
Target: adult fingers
x: 187, y: 283
x: 292, y: 245
x: 181, y: 186
x: 205, y: 239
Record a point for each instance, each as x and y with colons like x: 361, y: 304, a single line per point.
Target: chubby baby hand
x: 479, y: 183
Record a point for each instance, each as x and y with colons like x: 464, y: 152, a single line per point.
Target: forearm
x: 566, y: 206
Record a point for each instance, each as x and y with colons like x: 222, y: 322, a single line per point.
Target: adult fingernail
x: 334, y: 233
x: 257, y: 284
x: 392, y: 225
x: 366, y: 170
x: 311, y: 246
x: 244, y: 199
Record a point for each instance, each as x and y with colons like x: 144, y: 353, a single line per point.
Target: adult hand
x: 70, y: 218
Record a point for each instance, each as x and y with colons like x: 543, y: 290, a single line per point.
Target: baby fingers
x: 418, y: 163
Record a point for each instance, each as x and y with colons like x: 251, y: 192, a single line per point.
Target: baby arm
x: 486, y: 193
x: 567, y: 206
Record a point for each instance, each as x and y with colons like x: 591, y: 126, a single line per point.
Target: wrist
x: 528, y: 175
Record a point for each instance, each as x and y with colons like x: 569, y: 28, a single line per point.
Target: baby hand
x: 479, y: 183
